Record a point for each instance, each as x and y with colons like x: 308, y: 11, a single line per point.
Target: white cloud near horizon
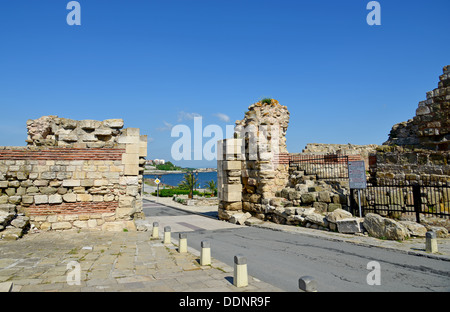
x: 223, y: 117
x: 187, y: 116
x: 167, y: 126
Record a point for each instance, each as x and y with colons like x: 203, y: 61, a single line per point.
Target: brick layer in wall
x: 62, y: 154
x: 73, y: 208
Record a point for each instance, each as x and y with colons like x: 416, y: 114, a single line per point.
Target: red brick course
x: 73, y: 208
x: 63, y: 154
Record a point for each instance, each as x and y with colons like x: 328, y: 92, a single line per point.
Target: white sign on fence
x: 357, y: 174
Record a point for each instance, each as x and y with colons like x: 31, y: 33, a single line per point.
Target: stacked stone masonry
x: 250, y: 169
x: 362, y: 152
x: 258, y: 184
x: 395, y: 163
x: 430, y: 127
x: 75, y: 186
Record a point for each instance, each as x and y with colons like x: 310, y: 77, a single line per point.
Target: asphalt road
x: 282, y: 258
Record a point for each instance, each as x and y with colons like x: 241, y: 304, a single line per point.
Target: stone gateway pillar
x: 249, y: 170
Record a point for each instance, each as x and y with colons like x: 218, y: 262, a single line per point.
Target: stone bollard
x: 183, y: 243
x: 167, y: 233
x: 240, y: 271
x: 205, y: 255
x: 155, y: 232
x: 307, y: 284
x: 431, y: 242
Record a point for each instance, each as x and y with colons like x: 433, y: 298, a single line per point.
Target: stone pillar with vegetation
x: 249, y: 171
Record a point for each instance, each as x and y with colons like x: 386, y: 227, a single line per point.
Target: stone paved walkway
x: 125, y: 261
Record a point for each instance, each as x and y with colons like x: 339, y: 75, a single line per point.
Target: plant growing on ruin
x: 266, y: 101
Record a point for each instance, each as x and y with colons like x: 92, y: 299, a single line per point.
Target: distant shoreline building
x: 156, y: 162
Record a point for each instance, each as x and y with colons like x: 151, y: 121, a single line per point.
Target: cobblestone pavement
x: 120, y: 261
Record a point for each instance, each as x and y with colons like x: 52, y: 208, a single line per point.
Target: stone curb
x: 331, y: 237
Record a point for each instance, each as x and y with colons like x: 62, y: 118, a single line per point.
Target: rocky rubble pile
x: 317, y: 205
x: 12, y: 225
x: 342, y: 221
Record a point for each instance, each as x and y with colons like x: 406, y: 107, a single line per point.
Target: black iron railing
x: 394, y: 198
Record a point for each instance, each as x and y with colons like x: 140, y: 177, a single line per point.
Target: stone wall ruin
x: 249, y: 170
x: 73, y: 174
x: 252, y: 188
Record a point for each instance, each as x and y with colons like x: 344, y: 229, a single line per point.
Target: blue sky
x: 157, y: 64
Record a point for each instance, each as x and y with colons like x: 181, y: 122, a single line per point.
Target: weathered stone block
x: 233, y: 206
x: 70, y: 197
x: 350, y: 225
x: 40, y: 199
x: 333, y: 206
x: 48, y: 190
x: 15, y: 199
x: 3, y: 199
x: 32, y: 189
x: 308, y: 198
x: 71, y: 183
x: 45, y: 226
x: 317, y: 219
x: 232, y: 165
x: 89, y: 124
x: 380, y: 227
x: 320, y: 207
x: 10, y: 191
x: 240, y: 218
x: 48, y: 175
x: 232, y: 188
x: 115, y: 226
x: 84, y: 197
x: 113, y: 123
x: 8, y: 208
x: 20, y: 222
x: 80, y: 224
x: 414, y: 229
x: 11, y: 234
x: 55, y: 199
x: 324, y: 197
x: 338, y: 214
x: 61, y: 225
x: 232, y: 197
x: 127, y: 201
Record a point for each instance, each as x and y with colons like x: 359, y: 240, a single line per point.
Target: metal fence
x: 394, y: 198
x: 324, y: 167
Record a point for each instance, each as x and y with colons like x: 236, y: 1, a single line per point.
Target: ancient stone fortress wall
x: 430, y: 127
x: 396, y: 163
x: 260, y: 185
x: 249, y: 166
x: 362, y: 151
x: 418, y: 149
x: 72, y: 174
